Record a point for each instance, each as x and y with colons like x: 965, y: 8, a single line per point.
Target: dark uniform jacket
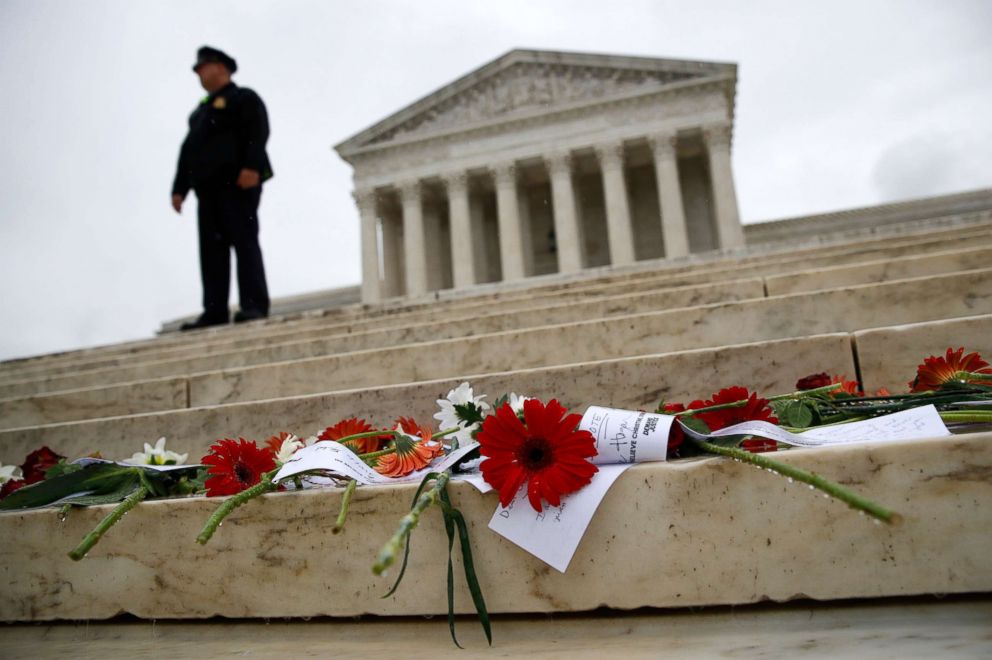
x: 227, y: 133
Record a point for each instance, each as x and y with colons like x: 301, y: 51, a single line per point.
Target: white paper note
x: 627, y: 436
x: 334, y: 458
x: 912, y: 424
x: 554, y: 534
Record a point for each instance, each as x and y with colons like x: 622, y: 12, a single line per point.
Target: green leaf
x: 60, y: 468
x: 500, y: 401
x: 92, y: 479
x: 469, y: 565
x: 797, y: 413
x: 406, y: 549
x: 126, y: 487
x: 469, y: 413
x: 694, y: 423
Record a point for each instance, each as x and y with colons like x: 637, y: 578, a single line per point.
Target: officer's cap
x: 208, y: 54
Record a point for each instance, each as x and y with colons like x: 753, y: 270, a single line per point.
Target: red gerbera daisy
x: 755, y: 409
x: 935, y: 371
x: 676, y: 436
x: 547, y: 452
x: 236, y: 465
x: 412, y: 453
x: 353, y: 426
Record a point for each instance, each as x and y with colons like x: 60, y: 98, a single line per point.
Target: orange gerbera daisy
x: 936, y: 371
x: 846, y: 386
x: 414, y: 450
x: 354, y: 426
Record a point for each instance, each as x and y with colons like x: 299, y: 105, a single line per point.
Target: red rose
x: 37, y: 463
x: 813, y: 381
x: 11, y: 486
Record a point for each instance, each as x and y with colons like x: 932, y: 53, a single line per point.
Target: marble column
x: 414, y: 248
x: 728, y: 222
x: 371, y: 286
x: 621, y: 232
x: 511, y: 250
x: 673, y: 229
x: 392, y: 252
x: 568, y: 236
x: 460, y: 221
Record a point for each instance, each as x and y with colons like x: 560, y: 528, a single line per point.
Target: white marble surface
x: 883, y: 270
x: 907, y: 628
x: 639, y: 382
x: 109, y: 401
x: 689, y: 533
x: 847, y: 309
x: 452, y: 325
x: 888, y: 357
x: 699, y: 269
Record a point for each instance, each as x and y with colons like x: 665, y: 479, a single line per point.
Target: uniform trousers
x: 228, y: 218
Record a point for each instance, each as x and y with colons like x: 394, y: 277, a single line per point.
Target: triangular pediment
x: 527, y: 82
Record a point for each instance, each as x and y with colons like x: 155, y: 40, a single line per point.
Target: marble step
x: 866, y: 249
x: 449, y: 327
x: 839, y: 310
x: 947, y: 627
x: 311, y: 340
x: 682, y: 534
x: 887, y: 357
x: 850, y: 308
x: 880, y: 270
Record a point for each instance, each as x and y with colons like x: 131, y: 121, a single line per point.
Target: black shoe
x: 245, y: 315
x: 204, y: 321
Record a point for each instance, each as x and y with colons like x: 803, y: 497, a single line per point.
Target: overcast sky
x: 839, y: 104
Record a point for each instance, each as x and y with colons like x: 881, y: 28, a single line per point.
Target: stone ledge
x: 948, y: 627
x: 689, y: 533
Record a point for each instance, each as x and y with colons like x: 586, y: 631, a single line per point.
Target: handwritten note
x: 912, y: 424
x: 554, y: 534
x: 627, y: 436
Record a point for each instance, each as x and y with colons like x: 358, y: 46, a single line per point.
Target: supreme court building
x: 546, y: 162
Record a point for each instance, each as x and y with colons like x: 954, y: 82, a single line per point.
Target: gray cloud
x: 95, y: 97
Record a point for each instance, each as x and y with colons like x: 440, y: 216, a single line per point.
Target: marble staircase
x: 715, y: 532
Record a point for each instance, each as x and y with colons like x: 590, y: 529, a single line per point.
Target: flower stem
x: 798, y: 394
x: 391, y: 550
x: 967, y: 416
x: 360, y: 436
x: 972, y: 376
x: 91, y: 539
x: 831, y: 488
x: 345, y: 502
x: 233, y: 503
x: 372, y: 455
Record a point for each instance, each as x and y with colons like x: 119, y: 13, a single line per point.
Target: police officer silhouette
x: 223, y: 159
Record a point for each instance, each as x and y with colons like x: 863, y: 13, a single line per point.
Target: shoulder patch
x: 220, y: 103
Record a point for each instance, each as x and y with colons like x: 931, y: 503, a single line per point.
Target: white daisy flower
x: 449, y: 416
x: 157, y: 455
x: 289, y: 446
x: 9, y: 473
x: 516, y: 402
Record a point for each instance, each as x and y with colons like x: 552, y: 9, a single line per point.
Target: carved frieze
x: 530, y: 86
